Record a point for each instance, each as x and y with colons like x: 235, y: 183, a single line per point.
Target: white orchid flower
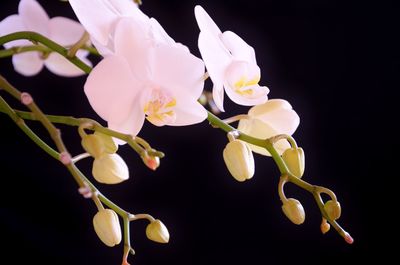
x: 32, y: 17
x: 231, y: 64
x: 148, y: 76
x: 274, y: 117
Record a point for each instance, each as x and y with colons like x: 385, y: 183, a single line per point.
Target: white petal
x: 279, y: 114
x: 216, y: 59
x: 65, y: 31
x: 218, y: 96
x: 111, y: 89
x: 57, y: 64
x: 238, y: 47
x: 27, y: 63
x: 96, y: 17
x: 132, y: 124
x: 131, y: 43
x: 189, y: 112
x: 159, y: 34
x: 178, y: 71
x: 205, y: 22
x: 126, y: 8
x: 261, y: 130
x: 34, y: 16
x: 269, y: 106
x: 10, y: 25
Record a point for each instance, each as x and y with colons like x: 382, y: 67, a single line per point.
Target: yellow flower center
x: 159, y: 109
x: 245, y: 87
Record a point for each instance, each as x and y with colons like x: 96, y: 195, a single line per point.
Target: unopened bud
x: 293, y: 210
x: 98, y: 143
x: 110, y: 169
x: 107, y: 227
x: 295, y: 161
x: 152, y: 162
x: 239, y: 160
x: 333, y: 209
x: 348, y: 238
x: 156, y: 231
x: 325, y: 227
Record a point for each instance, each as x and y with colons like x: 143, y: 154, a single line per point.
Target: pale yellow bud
x: 325, y: 227
x: 98, y: 143
x: 294, y: 159
x: 333, y: 209
x: 106, y: 225
x: 110, y: 169
x: 239, y: 160
x: 293, y: 210
x: 157, y: 232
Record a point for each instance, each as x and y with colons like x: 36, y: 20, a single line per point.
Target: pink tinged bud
x: 86, y: 192
x: 107, y: 227
x: 325, y: 227
x: 26, y: 98
x: 333, y: 209
x: 295, y: 161
x: 293, y: 210
x: 156, y: 231
x: 239, y: 160
x: 110, y: 169
x: 152, y: 162
x: 65, y: 158
x: 348, y: 238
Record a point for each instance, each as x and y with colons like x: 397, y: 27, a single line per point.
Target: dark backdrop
x: 334, y: 61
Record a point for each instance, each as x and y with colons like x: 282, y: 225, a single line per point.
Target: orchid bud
x: 325, y: 227
x: 333, y: 209
x: 93, y: 144
x: 157, y: 232
x: 98, y: 143
x: 107, y: 227
x: 295, y: 161
x: 293, y: 210
x: 110, y: 169
x: 152, y: 162
x: 239, y: 160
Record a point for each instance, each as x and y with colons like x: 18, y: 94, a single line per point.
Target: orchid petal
x: 65, y: 31
x: 110, y: 89
x: 10, y: 25
x: 238, y: 47
x: 262, y: 130
x: 132, y: 124
x: 178, y: 71
x: 279, y: 114
x: 34, y: 16
x: 27, y: 63
x: 189, y: 112
x: 205, y: 22
x: 61, y: 66
x: 218, y: 95
x: 159, y: 34
x: 96, y: 17
x: 216, y: 59
x: 129, y: 43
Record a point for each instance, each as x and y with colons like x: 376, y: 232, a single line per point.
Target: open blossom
x: 231, y: 64
x: 274, y: 117
x: 32, y: 17
x: 99, y: 18
x: 148, y: 76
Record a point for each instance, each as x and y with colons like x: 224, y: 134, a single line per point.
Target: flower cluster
x: 144, y: 74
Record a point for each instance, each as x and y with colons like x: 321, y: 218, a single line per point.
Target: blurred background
x: 334, y: 61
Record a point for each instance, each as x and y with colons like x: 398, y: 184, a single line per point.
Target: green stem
x: 25, y: 128
x: 72, y: 121
x: 38, y: 38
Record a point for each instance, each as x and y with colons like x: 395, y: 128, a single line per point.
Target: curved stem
x: 38, y: 38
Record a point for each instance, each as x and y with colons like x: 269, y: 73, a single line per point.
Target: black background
x: 334, y: 61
